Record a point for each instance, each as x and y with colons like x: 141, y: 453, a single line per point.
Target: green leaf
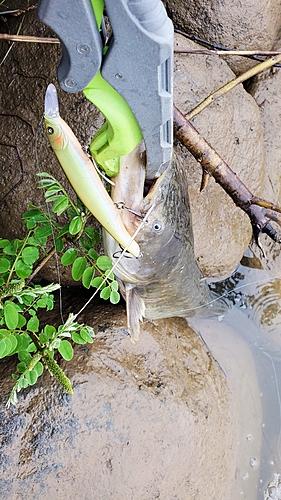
x: 114, y: 286
x: 21, y: 367
x: 32, y: 347
x: 11, y: 315
x: 32, y: 214
x: 15, y: 339
x: 40, y: 242
x: 109, y: 274
x: 78, y: 339
x: 78, y: 268
x: 22, y: 270
x: 59, y: 244
x: 12, y: 347
x: 39, y: 368
x: 66, y: 350
x: 61, y: 204
x: 4, y: 243
x: 31, y: 377
x: 3, y: 333
x: 2, y: 348
x: 55, y: 188
x: 93, y: 235
x: 24, y: 356
x: 69, y: 256
x: 76, y: 225
x: 46, y: 183
x: 30, y: 223
x: 30, y: 255
x: 8, y: 347
x: 26, y: 340
x: 87, y: 277
x: 4, y: 265
x: 114, y: 297
x: 43, y: 338
x: 105, y: 293
x: 21, y: 321
x: 52, y: 197
x: 43, y: 301
x: 23, y: 384
x: 13, y: 247
x: 86, y: 336
x: 96, y: 282
x: 63, y: 230
x: 43, y: 231
x: 104, y: 262
x: 49, y: 330
x: 93, y: 254
x: 33, y: 324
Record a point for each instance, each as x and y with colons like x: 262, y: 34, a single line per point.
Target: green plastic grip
x: 120, y: 133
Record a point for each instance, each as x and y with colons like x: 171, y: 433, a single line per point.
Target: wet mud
x: 146, y: 421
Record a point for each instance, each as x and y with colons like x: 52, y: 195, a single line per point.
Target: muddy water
x: 247, y: 345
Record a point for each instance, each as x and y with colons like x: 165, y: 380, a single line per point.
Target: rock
x: 232, y: 125
x: 234, y: 24
x: 266, y: 90
x: 151, y: 420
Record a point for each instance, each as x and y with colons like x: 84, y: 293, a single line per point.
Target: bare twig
x: 211, y: 162
x: 11, y: 46
x: 233, y: 83
x: 17, y: 12
x: 27, y: 38
x: 209, y: 52
x: 43, y: 262
x: 216, y: 46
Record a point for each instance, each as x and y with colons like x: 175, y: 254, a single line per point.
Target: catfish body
x: 165, y: 280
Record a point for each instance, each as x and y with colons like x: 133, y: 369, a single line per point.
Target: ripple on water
x: 273, y: 491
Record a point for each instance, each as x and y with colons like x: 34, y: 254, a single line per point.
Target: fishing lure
x: 82, y: 175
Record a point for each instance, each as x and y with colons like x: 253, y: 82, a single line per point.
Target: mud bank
x: 140, y: 425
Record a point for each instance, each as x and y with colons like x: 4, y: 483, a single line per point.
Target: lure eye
x: 157, y: 226
x: 50, y: 130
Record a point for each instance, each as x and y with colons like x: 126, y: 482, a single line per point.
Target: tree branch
x: 215, y: 166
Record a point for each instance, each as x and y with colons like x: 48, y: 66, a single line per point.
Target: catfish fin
x: 135, y: 311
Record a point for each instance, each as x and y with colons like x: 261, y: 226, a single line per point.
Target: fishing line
x: 225, y: 294
x: 118, y: 260
x: 97, y: 168
x: 49, y: 216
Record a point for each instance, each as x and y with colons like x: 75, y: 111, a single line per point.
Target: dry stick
x: 27, y: 38
x: 212, y: 52
x: 43, y: 262
x: 210, y: 160
x: 233, y: 83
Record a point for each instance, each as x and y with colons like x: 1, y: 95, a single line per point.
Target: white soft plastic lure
x: 82, y: 174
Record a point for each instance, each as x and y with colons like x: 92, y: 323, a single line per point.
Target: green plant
x: 21, y: 331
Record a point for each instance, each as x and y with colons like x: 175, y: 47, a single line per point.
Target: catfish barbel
x: 165, y: 280
x: 82, y: 174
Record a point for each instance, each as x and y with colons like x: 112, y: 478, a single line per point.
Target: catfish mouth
x: 132, y: 191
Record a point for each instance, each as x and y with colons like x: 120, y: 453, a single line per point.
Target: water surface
x: 247, y: 345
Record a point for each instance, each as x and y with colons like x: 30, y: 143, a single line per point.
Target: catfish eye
x: 157, y: 226
x: 50, y: 130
